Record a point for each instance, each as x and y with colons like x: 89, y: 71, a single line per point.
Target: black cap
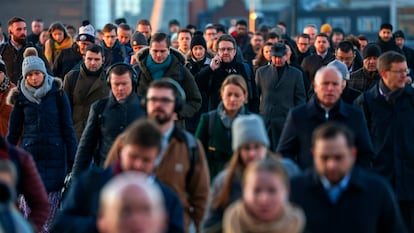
x: 386, y: 26
x: 399, y: 34
x: 371, y: 50
x: 198, y: 40
x: 138, y: 39
x: 278, y: 50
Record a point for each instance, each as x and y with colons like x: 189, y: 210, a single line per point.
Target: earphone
x: 134, y: 76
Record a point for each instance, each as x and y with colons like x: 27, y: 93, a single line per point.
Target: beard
x: 160, y: 116
x: 20, y: 40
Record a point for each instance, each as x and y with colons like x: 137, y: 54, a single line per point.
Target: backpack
x: 192, y: 155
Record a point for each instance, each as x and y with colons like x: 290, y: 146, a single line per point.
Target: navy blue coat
x: 115, y: 54
x: 391, y: 127
x: 296, y: 139
x: 46, y: 131
x: 81, y: 205
x: 367, y: 205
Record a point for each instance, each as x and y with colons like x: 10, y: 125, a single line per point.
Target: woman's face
x: 233, y: 97
x: 264, y: 195
x: 266, y: 52
x: 35, y: 78
x: 58, y: 35
x: 252, y: 151
x: 198, y: 52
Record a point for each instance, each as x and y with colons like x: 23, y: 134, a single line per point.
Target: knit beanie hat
x: 198, y: 40
x: 138, y: 39
x: 86, y: 33
x: 32, y: 63
x: 248, y: 128
x: 326, y: 28
x: 341, y: 67
x: 371, y: 50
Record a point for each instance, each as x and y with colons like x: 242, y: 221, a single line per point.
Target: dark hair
x: 322, y: 35
x: 120, y: 21
x: 281, y: 23
x: 173, y: 22
x: 354, y: 40
x: 220, y: 28
x: 120, y: 70
x: 184, y: 30
x: 226, y: 37
x: 191, y: 26
x: 95, y: 48
x: 124, y: 26
x: 57, y: 26
x: 143, y: 132
x: 109, y: 27
x: 272, y: 35
x: 162, y: 83
x: 160, y: 37
x: 331, y: 130
x: 304, y: 35
x: 386, y: 59
x: 268, y: 164
x: 15, y: 20
x: 362, y: 37
x: 241, y: 22
x: 338, y: 31
x: 144, y: 22
x: 345, y: 46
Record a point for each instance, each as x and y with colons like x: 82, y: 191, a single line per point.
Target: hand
x: 215, y: 62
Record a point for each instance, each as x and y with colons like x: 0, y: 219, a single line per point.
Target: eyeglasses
x: 400, y: 72
x: 224, y: 49
x: 160, y: 100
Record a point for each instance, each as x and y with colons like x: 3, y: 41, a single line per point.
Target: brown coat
x: 172, y: 171
x: 5, y: 110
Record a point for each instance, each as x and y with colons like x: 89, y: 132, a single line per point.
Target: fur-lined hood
x: 15, y: 91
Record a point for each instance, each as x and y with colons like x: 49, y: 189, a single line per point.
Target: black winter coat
x: 66, y: 60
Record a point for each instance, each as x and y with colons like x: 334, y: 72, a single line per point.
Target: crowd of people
x: 209, y: 130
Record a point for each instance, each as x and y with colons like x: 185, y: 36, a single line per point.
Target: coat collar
x: 113, y: 102
x: 315, y: 110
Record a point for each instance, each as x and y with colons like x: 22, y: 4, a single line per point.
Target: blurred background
x: 353, y: 16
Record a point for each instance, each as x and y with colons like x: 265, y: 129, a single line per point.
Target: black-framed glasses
x: 160, y: 100
x: 400, y: 72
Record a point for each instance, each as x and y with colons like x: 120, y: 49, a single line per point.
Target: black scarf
x: 390, y: 96
x: 91, y: 73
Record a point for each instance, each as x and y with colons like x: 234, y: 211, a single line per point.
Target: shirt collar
x: 342, y: 184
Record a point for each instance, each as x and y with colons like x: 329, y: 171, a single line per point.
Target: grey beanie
x: 248, y: 128
x: 32, y: 63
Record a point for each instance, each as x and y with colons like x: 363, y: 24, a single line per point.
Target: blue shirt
x: 334, y: 191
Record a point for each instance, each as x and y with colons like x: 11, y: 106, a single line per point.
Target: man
x: 184, y: 41
x: 281, y: 87
x: 389, y: 108
x: 159, y: 61
x: 337, y: 196
x: 138, y: 42
x: 12, y: 51
x: 173, y: 26
x: 71, y: 58
x: 363, y: 41
x: 325, y: 105
x: 124, y: 34
x: 367, y: 76
x: 222, y: 65
x: 346, y: 53
x: 114, y: 51
x: 135, y: 151
x: 272, y: 37
x: 408, y: 52
x: 210, y: 35
x: 144, y: 26
x: 385, y: 39
x: 303, y: 45
x: 85, y: 86
x: 37, y: 28
x: 322, y: 57
x: 349, y: 94
x: 129, y: 203
x: 256, y: 43
x: 337, y: 37
x: 179, y: 165
x: 108, y: 118
x: 240, y: 34
x: 312, y: 31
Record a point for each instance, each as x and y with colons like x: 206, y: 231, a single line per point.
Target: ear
x: 343, y: 84
x: 354, y: 152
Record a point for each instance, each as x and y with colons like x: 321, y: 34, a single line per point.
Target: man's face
x: 174, y: 28
x: 109, y: 38
x: 345, y: 57
x: 144, y: 29
x: 279, y: 61
x: 337, y: 38
x: 303, y: 44
x: 184, y: 41
x: 362, y: 44
x: 159, y: 51
x: 257, y: 42
x: 18, y: 32
x: 133, y: 211
x: 395, y: 78
x: 121, y: 85
x: 138, y: 158
x: 210, y: 34
x: 321, y: 44
x: 82, y: 46
x: 400, y: 42
x: 37, y: 27
x: 241, y: 29
x: 124, y: 36
x: 311, y: 32
x: 385, y: 34
x: 370, y: 64
x: 333, y: 158
x: 328, y: 88
x: 160, y: 105
x: 226, y: 51
x: 93, y: 61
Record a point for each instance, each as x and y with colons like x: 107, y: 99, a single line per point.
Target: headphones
x: 134, y: 75
x: 179, y: 100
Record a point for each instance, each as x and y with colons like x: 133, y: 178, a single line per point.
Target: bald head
x: 328, y: 86
x: 131, y: 203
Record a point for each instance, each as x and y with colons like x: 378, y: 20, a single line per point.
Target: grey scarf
x: 35, y: 95
x: 225, y: 118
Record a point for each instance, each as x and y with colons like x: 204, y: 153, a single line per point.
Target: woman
x: 214, y: 129
x: 58, y: 40
x: 5, y: 86
x: 263, y: 57
x: 249, y: 143
x: 264, y: 206
x: 41, y: 120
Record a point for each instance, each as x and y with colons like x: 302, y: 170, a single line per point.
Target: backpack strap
x: 192, y: 155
